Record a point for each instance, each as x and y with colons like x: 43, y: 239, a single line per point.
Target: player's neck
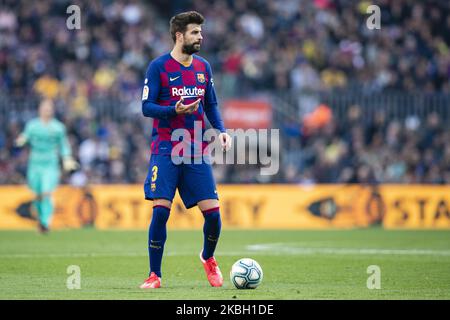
x: 45, y: 120
x: 183, y: 58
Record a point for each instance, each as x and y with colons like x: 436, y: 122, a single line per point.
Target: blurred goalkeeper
x: 47, y: 139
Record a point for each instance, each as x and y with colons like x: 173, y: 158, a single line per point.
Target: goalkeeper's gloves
x: 69, y: 164
x: 21, y: 140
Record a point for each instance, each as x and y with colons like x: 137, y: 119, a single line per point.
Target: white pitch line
x: 118, y: 254
x: 284, y: 248
x: 271, y: 249
x: 68, y: 255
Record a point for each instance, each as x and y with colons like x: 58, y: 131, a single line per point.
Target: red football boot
x: 212, y: 271
x: 152, y: 282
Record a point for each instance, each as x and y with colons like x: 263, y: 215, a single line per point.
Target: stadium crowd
x: 352, y: 150
x: 325, y: 44
x: 253, y: 46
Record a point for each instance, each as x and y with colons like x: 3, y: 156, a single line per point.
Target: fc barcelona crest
x: 201, y: 77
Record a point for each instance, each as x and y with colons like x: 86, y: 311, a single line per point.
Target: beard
x: 191, y: 48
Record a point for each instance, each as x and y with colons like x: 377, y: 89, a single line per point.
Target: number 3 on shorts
x: 154, y: 173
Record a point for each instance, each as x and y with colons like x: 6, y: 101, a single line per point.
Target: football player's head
x: 46, y: 109
x: 186, y: 30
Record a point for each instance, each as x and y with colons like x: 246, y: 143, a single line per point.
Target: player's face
x: 46, y: 109
x: 192, y: 39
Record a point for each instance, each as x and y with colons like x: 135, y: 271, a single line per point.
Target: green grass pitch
x: 297, y: 264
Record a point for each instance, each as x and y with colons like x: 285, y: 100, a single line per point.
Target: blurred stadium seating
x: 352, y: 104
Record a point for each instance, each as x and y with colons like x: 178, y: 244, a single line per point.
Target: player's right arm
x: 150, y: 92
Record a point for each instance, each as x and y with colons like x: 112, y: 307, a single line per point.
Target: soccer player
x: 179, y: 91
x: 47, y: 139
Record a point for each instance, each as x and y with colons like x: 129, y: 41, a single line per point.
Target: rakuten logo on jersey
x: 188, y: 92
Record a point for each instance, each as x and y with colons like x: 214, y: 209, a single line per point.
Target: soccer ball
x: 246, y: 273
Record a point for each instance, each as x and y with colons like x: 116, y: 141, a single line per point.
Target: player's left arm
x: 69, y: 163
x: 211, y: 109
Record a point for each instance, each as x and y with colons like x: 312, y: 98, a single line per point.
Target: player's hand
x: 20, y: 141
x: 69, y: 164
x: 225, y: 141
x: 181, y: 108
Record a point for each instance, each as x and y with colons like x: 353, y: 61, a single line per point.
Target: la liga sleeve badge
x: 145, y: 92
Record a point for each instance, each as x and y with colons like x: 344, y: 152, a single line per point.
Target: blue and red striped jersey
x: 166, y: 81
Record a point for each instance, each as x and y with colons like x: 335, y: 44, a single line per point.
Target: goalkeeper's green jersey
x: 47, y: 142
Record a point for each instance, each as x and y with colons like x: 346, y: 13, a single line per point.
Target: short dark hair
x: 179, y: 22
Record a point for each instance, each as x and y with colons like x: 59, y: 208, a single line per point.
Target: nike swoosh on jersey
x: 173, y: 79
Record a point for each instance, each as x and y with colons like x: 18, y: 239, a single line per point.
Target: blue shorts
x: 195, y: 182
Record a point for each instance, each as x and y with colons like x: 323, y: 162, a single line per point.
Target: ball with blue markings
x: 246, y: 273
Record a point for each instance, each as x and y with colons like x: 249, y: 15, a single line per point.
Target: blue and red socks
x: 157, y: 235
x: 211, y: 231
